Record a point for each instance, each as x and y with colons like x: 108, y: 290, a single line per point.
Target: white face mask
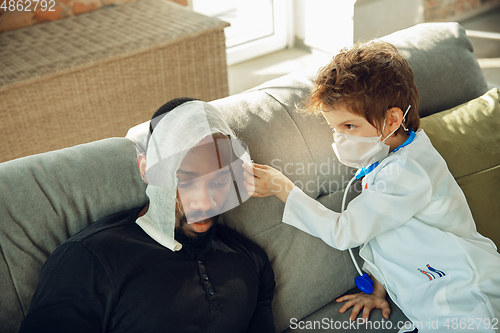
x: 360, y: 151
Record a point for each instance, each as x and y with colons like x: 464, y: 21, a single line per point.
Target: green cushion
x: 468, y: 138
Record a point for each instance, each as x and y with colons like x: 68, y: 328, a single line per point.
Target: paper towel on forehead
x: 174, y: 135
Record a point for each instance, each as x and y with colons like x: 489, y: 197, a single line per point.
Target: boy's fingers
x: 347, y: 297
x: 260, y: 166
x: 255, y: 170
x: 254, y: 191
x: 259, y: 173
x: 366, y: 312
x: 386, y: 310
x: 249, y: 177
x: 255, y: 166
x: 355, y: 311
x: 344, y: 298
x: 347, y: 305
x: 248, y: 168
x: 249, y: 187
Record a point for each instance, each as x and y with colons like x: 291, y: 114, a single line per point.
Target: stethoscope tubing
x: 363, y: 281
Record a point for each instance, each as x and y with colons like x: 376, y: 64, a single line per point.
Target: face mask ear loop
x: 402, y: 124
x: 404, y: 118
x: 383, y: 127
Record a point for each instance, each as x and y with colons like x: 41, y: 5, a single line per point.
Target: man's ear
x: 141, y: 163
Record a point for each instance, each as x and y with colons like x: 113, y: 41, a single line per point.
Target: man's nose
x: 202, y: 199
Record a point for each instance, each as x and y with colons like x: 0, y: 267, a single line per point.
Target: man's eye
x: 350, y: 127
x: 220, y: 183
x: 185, y: 184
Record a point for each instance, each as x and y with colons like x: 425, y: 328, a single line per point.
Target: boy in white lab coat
x: 418, y: 236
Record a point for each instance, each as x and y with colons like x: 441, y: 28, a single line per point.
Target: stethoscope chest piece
x: 364, y: 283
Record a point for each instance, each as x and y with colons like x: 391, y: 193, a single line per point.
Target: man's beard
x: 200, y: 243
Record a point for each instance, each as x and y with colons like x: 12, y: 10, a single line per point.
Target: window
x: 257, y: 27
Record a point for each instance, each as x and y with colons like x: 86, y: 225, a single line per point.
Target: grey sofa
x: 46, y: 198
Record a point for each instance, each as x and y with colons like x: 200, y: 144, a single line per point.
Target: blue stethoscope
x: 363, y: 281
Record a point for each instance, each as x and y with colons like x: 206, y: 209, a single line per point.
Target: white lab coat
x: 411, y: 213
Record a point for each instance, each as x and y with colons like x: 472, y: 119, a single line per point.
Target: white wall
x: 329, y: 25
x: 377, y: 18
x: 326, y: 25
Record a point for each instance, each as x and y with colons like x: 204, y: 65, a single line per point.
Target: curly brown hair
x: 367, y: 79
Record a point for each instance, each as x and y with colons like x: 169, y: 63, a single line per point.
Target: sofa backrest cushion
x: 446, y: 70
x: 46, y: 198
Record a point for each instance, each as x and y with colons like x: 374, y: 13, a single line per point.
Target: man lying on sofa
x: 168, y: 266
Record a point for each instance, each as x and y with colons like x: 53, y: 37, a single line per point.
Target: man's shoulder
x: 106, y: 225
x: 105, y: 238
x: 234, y: 239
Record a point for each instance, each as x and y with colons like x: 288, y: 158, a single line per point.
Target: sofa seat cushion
x: 468, y: 138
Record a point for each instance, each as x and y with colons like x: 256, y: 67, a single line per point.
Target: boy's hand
x: 367, y: 302
x: 263, y: 181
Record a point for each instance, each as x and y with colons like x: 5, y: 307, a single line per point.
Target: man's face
x: 204, y: 182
